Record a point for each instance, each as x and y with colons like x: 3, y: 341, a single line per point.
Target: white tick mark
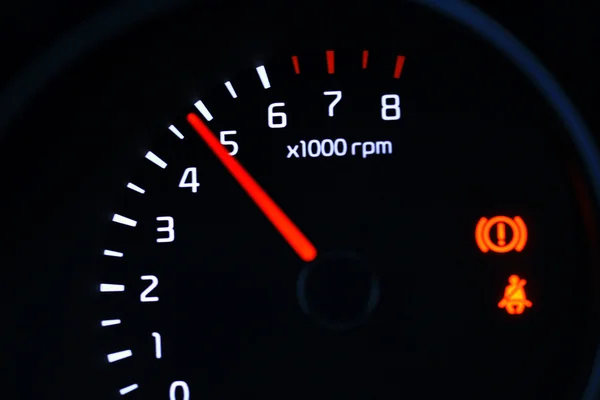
x: 156, y: 159
x: 135, y: 188
x: 111, y: 253
x: 119, y: 355
x: 119, y: 219
x: 231, y: 90
x: 176, y: 131
x: 262, y: 73
x: 203, y: 110
x: 111, y: 287
x: 128, y: 389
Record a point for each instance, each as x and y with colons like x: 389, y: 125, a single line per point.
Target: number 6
x: 272, y: 114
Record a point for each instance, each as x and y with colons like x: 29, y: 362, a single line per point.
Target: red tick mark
x: 330, y: 62
x: 296, y: 65
x: 399, y: 66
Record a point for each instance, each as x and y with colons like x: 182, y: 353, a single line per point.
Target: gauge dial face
x: 357, y: 214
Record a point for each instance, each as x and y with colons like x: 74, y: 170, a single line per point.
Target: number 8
x: 386, y: 106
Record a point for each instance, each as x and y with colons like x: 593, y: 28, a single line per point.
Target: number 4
x: 338, y: 97
x: 192, y: 174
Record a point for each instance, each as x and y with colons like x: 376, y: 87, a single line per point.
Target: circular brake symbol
x: 484, y: 239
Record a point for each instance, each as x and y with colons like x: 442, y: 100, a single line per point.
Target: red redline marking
x: 330, y: 62
x: 365, y: 59
x: 399, y: 66
x: 296, y: 65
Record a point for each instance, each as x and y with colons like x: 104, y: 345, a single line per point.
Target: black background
x: 563, y: 35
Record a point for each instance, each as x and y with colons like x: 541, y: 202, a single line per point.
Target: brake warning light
x: 483, y: 234
x: 515, y: 299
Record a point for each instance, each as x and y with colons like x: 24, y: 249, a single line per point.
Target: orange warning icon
x: 484, y: 240
x: 515, y: 299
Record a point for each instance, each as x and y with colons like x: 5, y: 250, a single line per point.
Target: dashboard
x: 218, y: 200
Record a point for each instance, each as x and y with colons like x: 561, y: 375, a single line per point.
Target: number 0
x: 184, y: 388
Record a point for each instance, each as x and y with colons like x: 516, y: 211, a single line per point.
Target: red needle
x: 290, y: 232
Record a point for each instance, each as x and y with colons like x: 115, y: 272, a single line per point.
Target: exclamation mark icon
x: 497, y: 241
x: 501, y: 234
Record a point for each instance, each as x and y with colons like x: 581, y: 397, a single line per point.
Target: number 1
x: 157, y: 344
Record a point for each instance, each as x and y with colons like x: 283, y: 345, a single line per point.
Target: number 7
x: 338, y: 97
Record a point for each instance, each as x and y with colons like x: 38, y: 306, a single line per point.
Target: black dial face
x: 383, y: 213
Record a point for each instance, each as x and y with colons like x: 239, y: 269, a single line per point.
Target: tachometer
x: 348, y: 221
x: 382, y: 213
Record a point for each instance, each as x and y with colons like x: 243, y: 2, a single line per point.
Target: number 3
x: 170, y: 229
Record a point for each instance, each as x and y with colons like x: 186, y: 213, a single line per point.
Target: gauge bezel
x: 115, y: 20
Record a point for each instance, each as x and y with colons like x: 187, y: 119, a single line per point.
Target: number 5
x: 231, y: 143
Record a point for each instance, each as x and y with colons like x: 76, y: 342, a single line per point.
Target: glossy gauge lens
x: 385, y: 213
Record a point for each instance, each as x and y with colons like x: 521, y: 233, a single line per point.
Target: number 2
x: 153, y: 284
